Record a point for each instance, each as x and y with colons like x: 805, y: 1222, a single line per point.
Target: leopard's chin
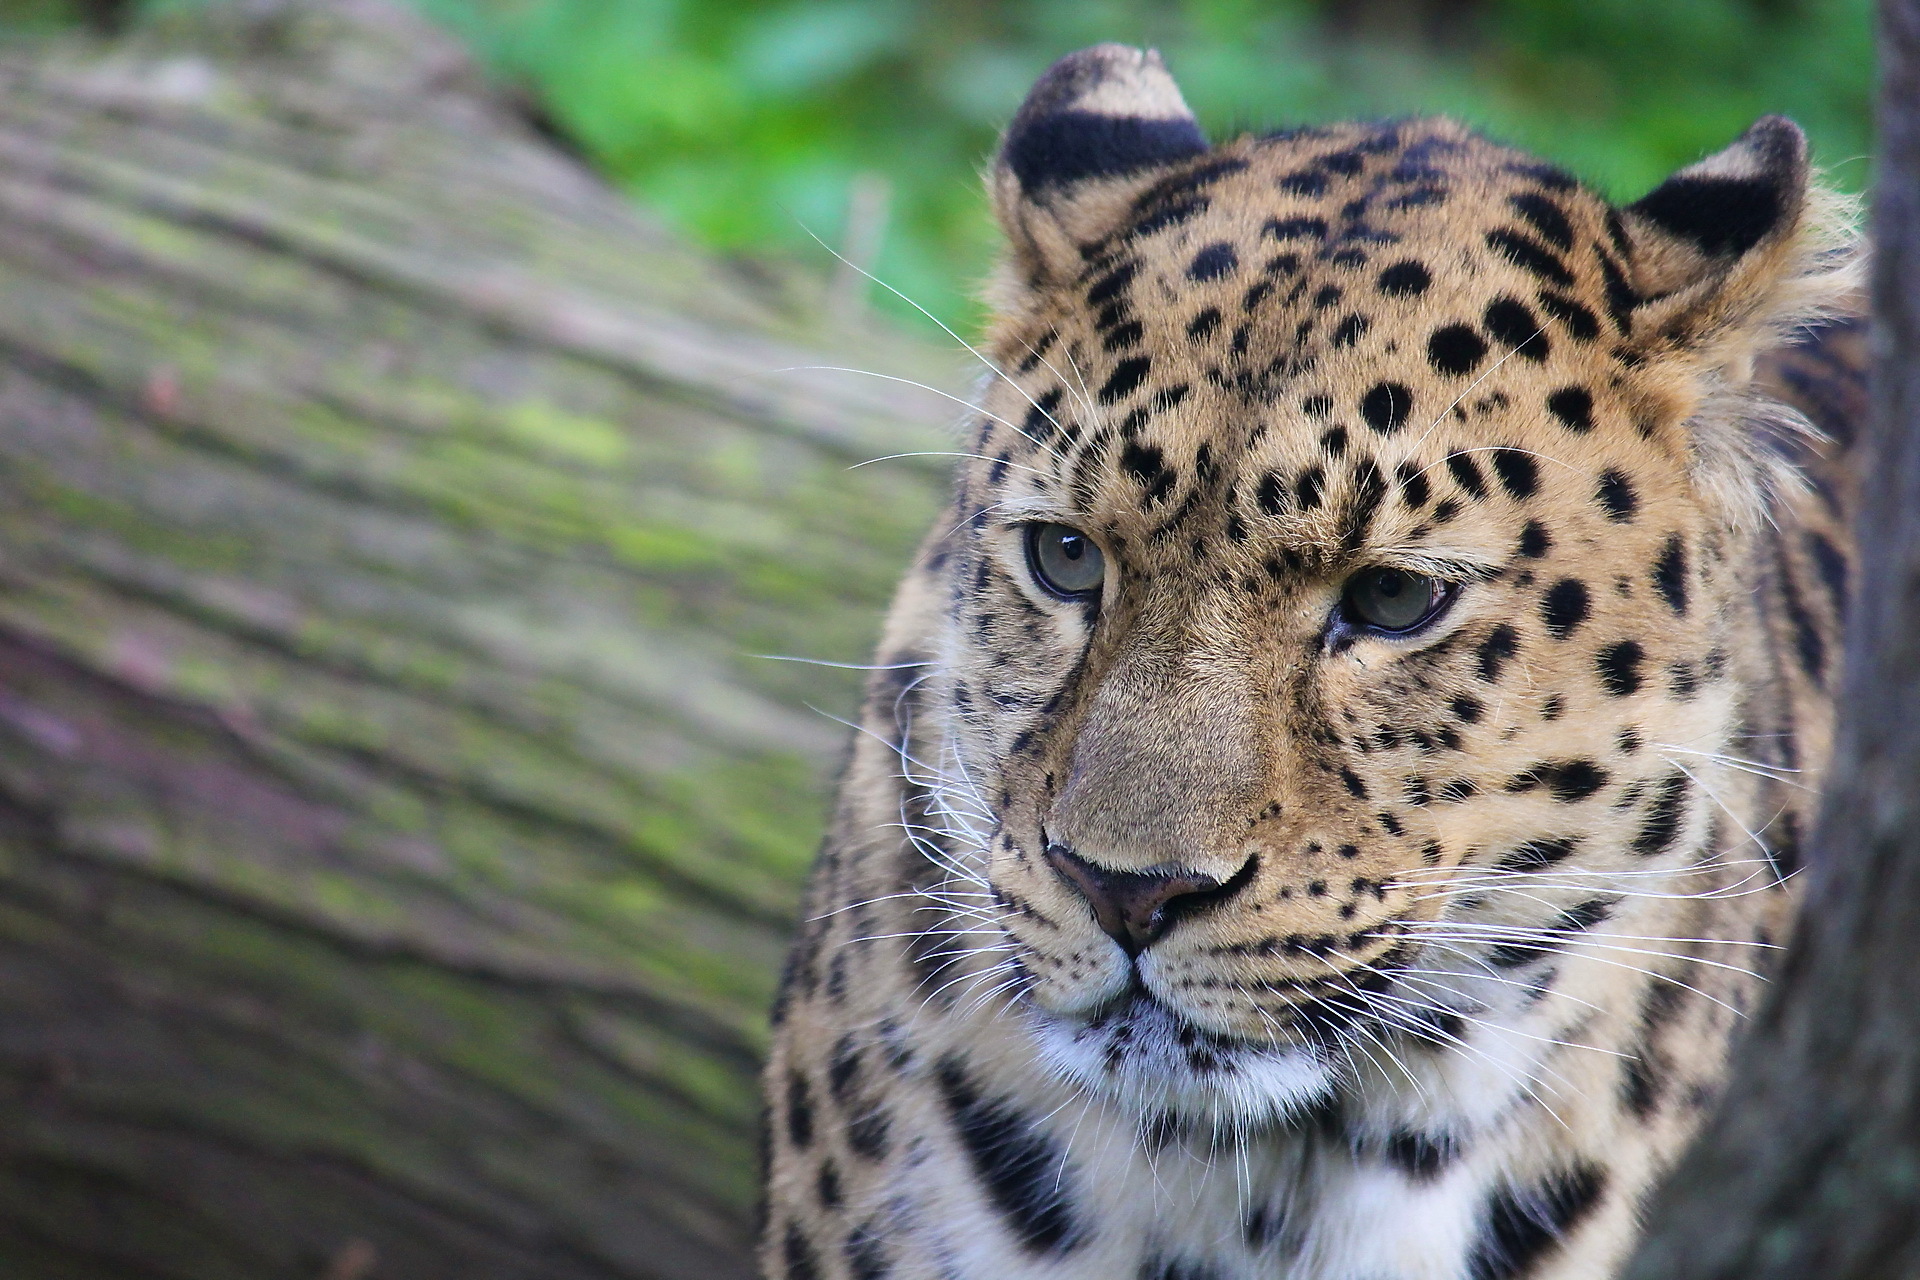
x: 1151, y: 1062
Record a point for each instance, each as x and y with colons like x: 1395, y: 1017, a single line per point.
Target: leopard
x: 1333, y: 778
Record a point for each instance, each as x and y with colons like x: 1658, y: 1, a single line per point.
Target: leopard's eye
x: 1065, y: 561
x: 1393, y: 599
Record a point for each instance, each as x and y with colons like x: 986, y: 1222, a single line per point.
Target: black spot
x: 1126, y: 335
x: 1670, y: 574
x: 1502, y: 643
x: 1535, y: 541
x: 1363, y: 501
x: 1127, y: 375
x: 1386, y: 405
x: 828, y: 1186
x: 869, y: 1131
x: 1832, y: 566
x: 1683, y: 680
x: 1405, y: 279
x: 1413, y: 485
x: 1172, y: 215
x: 1204, y: 323
x: 1418, y: 197
x: 1808, y: 642
x: 1469, y: 710
x: 1724, y: 216
x: 1466, y: 475
x: 1304, y: 182
x: 1565, y: 607
x: 1354, y: 786
x: 1326, y: 297
x: 1619, y: 667
x: 1574, y: 407
x: 799, y: 1110
x: 1421, y: 1156
x: 1022, y: 1171
x: 1334, y: 441
x: 1518, y: 474
x: 1110, y: 286
x: 1317, y: 406
x: 1148, y: 465
x: 1344, y: 163
x: 866, y: 1256
x: 1296, y: 229
x: 1574, y: 920
x: 1350, y: 331
x: 1307, y: 488
x: 1553, y: 708
x: 1640, y: 1085
x: 1622, y: 298
x: 1195, y: 179
x: 843, y: 1069
x: 1535, y: 854
x: 1665, y: 811
x: 1212, y: 262
x: 1455, y: 350
x: 1262, y: 1227
x: 1512, y: 323
x: 1521, y: 1225
x: 1568, y: 780
x: 1545, y: 216
x: 802, y: 1262
x: 1580, y: 321
x: 1040, y: 420
x: 1616, y: 495
x: 1528, y: 254
x: 1271, y: 493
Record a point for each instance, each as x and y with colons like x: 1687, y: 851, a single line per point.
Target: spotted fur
x: 1192, y: 930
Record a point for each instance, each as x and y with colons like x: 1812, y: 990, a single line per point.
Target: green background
x: 748, y: 122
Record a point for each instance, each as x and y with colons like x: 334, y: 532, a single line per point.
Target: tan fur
x: 1210, y: 717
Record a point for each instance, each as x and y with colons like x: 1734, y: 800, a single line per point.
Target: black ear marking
x: 1102, y: 112
x: 1734, y: 199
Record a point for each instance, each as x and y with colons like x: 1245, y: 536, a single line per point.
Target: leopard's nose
x: 1135, y: 908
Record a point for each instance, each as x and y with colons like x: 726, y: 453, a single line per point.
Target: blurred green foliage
x: 750, y: 122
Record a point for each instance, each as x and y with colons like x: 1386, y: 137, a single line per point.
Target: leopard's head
x: 1348, y: 536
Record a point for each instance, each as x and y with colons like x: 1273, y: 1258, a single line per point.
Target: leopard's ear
x: 1724, y: 260
x: 1727, y: 251
x: 1093, y: 133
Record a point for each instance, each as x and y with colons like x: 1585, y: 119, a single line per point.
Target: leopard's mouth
x: 1151, y: 1060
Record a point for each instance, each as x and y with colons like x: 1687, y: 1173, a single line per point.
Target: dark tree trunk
x: 397, y: 840
x: 1811, y: 1169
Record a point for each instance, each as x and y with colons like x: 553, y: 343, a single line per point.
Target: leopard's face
x: 1331, y: 622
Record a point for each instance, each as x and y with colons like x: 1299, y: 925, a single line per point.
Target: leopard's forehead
x: 1294, y: 325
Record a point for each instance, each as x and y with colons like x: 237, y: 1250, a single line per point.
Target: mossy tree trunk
x: 397, y: 836
x: 1811, y: 1168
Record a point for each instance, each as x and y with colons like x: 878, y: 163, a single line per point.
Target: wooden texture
x: 1811, y: 1168
x: 397, y: 836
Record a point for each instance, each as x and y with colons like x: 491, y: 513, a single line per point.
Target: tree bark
x: 1811, y: 1168
x: 397, y: 836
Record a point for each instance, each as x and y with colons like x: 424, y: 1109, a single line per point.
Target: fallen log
x: 397, y: 835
